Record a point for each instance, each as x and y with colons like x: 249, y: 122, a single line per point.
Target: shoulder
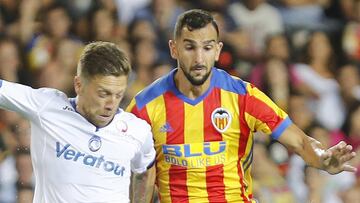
x: 51, y: 91
x: 227, y: 82
x: 154, y: 90
x: 134, y: 120
x: 51, y: 94
x: 134, y: 126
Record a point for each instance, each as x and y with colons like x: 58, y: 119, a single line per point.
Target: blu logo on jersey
x: 186, y: 150
x: 195, y: 155
x: 93, y: 161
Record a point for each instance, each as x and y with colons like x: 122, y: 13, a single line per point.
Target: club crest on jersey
x: 95, y: 143
x: 221, y: 119
x: 122, y: 126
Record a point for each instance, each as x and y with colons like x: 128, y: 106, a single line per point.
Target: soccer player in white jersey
x: 84, y: 149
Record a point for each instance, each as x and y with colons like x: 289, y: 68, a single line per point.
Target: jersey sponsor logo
x: 68, y: 108
x: 95, y: 143
x: 221, y: 119
x: 166, y: 128
x: 195, y: 155
x: 66, y: 153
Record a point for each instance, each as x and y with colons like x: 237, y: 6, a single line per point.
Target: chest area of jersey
x: 92, y: 155
x: 195, y: 136
x: 196, y: 123
x: 78, y: 148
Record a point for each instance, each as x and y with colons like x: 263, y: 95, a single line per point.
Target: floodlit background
x: 304, y: 54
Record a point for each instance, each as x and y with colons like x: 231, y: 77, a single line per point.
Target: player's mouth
x: 198, y: 69
x: 105, y: 117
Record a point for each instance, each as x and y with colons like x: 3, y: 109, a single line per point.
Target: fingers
x: 341, y: 149
x: 347, y: 167
x: 346, y: 157
x: 335, y: 158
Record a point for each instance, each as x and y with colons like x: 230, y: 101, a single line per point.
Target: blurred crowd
x: 304, y: 54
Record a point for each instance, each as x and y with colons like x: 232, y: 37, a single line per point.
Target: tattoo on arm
x: 142, y: 186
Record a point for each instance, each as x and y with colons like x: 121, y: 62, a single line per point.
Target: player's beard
x: 193, y: 80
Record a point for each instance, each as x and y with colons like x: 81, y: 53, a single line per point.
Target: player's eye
x: 208, y: 47
x: 189, y: 47
x: 119, y: 96
x: 102, y: 94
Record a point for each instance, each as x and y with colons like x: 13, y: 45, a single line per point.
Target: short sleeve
x: 145, y: 157
x: 262, y: 114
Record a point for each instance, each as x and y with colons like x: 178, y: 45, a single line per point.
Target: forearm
x: 308, y: 148
x: 311, y: 152
x: 142, y: 186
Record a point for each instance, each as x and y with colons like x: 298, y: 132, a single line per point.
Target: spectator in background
x: 276, y: 47
x: 10, y: 58
x: 104, y: 26
x: 141, y: 29
x: 349, y: 80
x: 162, y: 14
x: 126, y: 9
x: 350, y: 131
x: 55, y: 28
x: 228, y: 59
x: 269, y: 184
x: 58, y: 72
x: 277, y: 57
x: 25, y: 182
x: 351, y: 35
x: 9, y: 15
x: 318, y: 81
x: 352, y: 194
x: 256, y: 19
x: 306, y: 15
x: 161, y: 69
x: 14, y: 131
x: 145, y: 57
x: 277, y: 82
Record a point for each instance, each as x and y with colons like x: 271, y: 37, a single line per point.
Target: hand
x: 335, y: 159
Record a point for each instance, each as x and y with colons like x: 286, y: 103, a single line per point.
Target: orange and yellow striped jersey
x: 204, y: 146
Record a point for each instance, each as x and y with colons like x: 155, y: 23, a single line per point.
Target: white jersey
x: 73, y: 160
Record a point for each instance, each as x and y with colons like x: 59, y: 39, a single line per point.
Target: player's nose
x: 199, y: 56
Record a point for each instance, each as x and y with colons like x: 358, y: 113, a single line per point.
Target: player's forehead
x: 112, y: 84
x: 202, y: 35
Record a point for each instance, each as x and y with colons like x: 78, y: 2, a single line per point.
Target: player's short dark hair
x: 103, y: 58
x: 194, y: 19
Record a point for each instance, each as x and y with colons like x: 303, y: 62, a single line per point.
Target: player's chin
x: 102, y: 121
x: 198, y: 72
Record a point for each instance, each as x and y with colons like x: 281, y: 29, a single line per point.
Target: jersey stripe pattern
x: 204, y: 146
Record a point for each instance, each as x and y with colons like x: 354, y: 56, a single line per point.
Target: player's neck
x: 189, y: 90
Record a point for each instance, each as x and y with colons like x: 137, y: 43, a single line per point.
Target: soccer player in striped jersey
x: 84, y: 149
x: 203, y: 122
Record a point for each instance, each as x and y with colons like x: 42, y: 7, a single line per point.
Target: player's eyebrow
x: 107, y: 91
x: 204, y: 42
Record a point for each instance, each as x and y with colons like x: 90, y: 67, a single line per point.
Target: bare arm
x: 333, y: 160
x: 142, y: 186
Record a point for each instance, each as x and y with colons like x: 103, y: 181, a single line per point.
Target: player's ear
x: 218, y: 50
x: 173, y: 51
x: 77, y: 84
